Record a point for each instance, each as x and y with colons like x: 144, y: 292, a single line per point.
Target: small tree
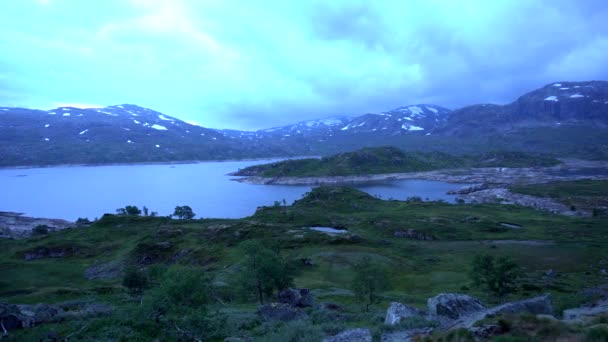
x: 263, y: 270
x: 179, y: 305
x: 136, y: 281
x: 369, y: 279
x: 183, y: 212
x: 129, y: 210
x: 145, y: 211
x: 498, y: 276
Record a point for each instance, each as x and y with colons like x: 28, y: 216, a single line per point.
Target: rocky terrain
x: 15, y: 225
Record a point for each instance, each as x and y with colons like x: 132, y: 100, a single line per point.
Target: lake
x: 90, y: 191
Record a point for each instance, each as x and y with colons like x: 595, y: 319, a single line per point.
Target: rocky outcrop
x: 397, y: 312
x: 21, y: 316
x: 297, y: 297
x: 280, y: 312
x: 26, y: 316
x: 406, y: 335
x: 412, y: 234
x: 352, y: 335
x: 107, y: 270
x: 469, y: 189
x: 15, y: 225
x: 50, y: 252
x: 541, y: 305
x: 585, y: 312
x: 454, y: 305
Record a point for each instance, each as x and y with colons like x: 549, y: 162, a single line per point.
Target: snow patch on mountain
x: 159, y: 127
x: 83, y: 132
x: 551, y: 98
x: 162, y: 117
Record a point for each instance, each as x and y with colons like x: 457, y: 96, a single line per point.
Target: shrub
x: 136, y: 281
x: 41, y: 229
x: 295, y: 331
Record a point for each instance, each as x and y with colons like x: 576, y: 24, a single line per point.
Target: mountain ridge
x: 129, y: 133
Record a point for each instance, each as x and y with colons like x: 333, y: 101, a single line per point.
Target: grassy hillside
x: 584, y: 194
x: 378, y: 160
x: 573, y: 247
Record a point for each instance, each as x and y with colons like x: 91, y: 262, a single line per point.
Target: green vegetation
x: 499, y: 277
x: 263, y: 270
x: 130, y: 210
x: 196, y: 269
x: 369, y: 279
x: 584, y: 194
x: 378, y: 160
x: 183, y: 212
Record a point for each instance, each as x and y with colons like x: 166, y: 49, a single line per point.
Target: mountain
x: 115, y: 134
x: 561, y: 103
x: 564, y: 118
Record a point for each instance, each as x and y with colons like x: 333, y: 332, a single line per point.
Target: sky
x: 249, y: 65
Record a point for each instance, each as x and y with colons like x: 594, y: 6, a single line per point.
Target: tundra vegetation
x: 204, y: 279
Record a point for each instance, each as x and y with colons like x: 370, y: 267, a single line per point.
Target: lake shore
x: 177, y: 162
x: 494, y: 175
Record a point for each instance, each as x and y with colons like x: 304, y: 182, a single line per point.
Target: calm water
x: 72, y: 192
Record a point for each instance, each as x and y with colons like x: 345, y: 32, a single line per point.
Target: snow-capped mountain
x: 122, y: 133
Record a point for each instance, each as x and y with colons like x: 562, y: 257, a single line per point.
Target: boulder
x: 454, y: 305
x: 49, y: 252
x: 297, y: 297
x: 352, y: 335
x: 536, y: 306
x: 412, y: 234
x: 397, y: 311
x: 26, y: 316
x: 406, y: 335
x: 280, y: 312
x: 331, y: 307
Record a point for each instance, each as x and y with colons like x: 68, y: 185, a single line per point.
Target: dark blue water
x: 75, y: 191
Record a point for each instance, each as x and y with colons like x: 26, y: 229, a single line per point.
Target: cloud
x: 241, y: 64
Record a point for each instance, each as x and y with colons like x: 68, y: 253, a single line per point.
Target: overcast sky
x: 257, y: 64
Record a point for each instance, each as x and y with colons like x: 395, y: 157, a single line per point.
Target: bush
x: 136, y: 281
x: 597, y: 333
x: 41, y: 229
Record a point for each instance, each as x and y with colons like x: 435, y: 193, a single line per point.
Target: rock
x: 454, y: 305
x: 485, y: 332
x: 352, y: 335
x: 163, y: 245
x: 550, y: 273
x: 26, y: 316
x: 397, y: 311
x: 586, y: 311
x: 307, y: 262
x: 468, y: 189
x: 603, y: 272
x: 297, y: 297
x: 85, y: 311
x: 541, y: 305
x: 49, y: 252
x: 406, y: 335
x: 331, y: 307
x: 107, y: 270
x: 280, y: 312
x: 412, y: 234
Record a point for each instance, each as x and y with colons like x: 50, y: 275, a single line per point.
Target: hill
x: 76, y: 276
x: 379, y: 160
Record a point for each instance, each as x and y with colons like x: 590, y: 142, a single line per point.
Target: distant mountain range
x: 567, y: 118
